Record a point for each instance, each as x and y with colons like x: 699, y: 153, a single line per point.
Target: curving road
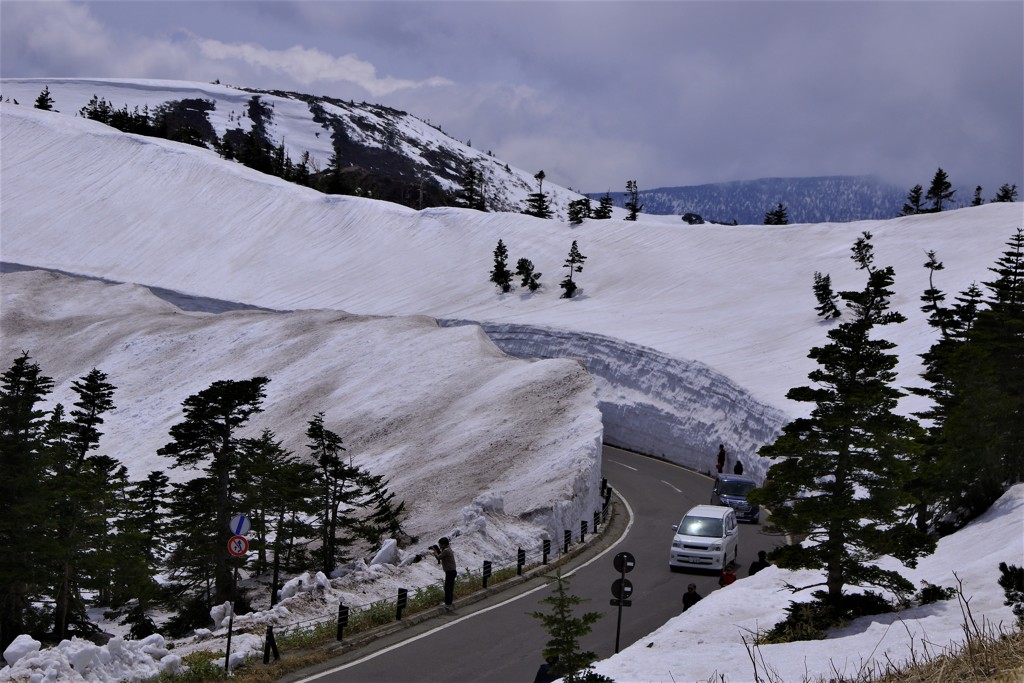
x: 497, y: 640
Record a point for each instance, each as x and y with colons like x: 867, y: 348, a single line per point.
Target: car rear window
x: 700, y: 526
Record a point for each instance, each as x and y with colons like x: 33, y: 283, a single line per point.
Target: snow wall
x: 652, y: 403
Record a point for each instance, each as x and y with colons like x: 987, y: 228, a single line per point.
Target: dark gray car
x: 732, y: 490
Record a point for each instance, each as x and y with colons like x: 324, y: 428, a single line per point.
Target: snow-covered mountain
x: 692, y: 337
x: 829, y: 199
x: 392, y: 149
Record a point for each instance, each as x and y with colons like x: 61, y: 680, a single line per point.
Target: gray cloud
x: 595, y: 93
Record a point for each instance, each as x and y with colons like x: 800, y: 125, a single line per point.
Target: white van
x: 707, y: 537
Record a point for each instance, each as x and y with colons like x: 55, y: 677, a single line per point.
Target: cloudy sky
x: 596, y: 93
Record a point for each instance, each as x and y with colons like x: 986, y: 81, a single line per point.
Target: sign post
x: 622, y: 588
x: 238, y: 546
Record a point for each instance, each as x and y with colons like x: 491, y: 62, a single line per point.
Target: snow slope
x: 81, y: 197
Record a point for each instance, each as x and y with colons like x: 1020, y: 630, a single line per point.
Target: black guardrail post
x: 597, y: 520
x: 270, y: 646
x: 403, y: 599
x: 520, y: 561
x: 583, y: 530
x: 342, y: 619
x: 546, y: 549
x: 486, y: 573
x: 566, y: 541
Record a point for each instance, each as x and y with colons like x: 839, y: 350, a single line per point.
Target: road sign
x: 622, y: 589
x: 240, y: 525
x: 624, y: 562
x: 238, y: 545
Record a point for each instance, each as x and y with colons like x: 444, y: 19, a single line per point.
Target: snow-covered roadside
x: 493, y: 451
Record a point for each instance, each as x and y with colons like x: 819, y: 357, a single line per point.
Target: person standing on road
x: 691, y: 597
x: 728, y: 575
x: 760, y: 563
x: 446, y: 558
x: 721, y: 457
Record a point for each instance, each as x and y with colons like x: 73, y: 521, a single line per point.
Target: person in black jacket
x: 691, y: 597
x: 760, y: 563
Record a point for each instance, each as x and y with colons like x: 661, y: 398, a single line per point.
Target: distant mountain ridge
x: 823, y: 199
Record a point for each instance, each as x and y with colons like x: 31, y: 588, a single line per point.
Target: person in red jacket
x: 728, y: 575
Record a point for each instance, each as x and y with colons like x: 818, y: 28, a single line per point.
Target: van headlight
x: 717, y: 548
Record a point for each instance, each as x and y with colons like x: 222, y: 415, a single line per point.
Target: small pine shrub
x: 812, y: 620
x: 931, y: 593
x: 1012, y: 581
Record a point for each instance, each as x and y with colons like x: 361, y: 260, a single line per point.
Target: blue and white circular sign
x: 240, y: 525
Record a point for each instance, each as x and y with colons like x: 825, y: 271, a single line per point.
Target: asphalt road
x: 498, y: 641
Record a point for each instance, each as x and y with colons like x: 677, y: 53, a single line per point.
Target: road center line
x: 624, y: 465
x: 671, y: 486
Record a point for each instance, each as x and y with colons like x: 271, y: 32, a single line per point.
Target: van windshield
x: 700, y: 526
x: 735, y: 488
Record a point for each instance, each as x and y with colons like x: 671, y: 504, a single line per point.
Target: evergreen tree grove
x: 838, y: 476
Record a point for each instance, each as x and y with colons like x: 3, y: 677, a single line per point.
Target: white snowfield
x: 692, y: 334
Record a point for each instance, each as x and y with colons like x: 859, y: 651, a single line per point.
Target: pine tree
x: 81, y: 485
x: 471, y: 195
x: 501, y: 276
x: 633, y: 205
x: 940, y: 191
x: 44, y: 101
x: 565, y: 630
x: 579, y: 210
x: 574, y: 262
x: 826, y: 307
x: 604, y: 207
x: 207, y: 439
x: 839, y: 474
x: 777, y: 216
x: 385, y: 516
x: 524, y: 269
x: 537, y: 203
x: 977, y: 201
x: 1006, y: 193
x: 915, y: 202
x: 23, y: 523
x: 337, y: 485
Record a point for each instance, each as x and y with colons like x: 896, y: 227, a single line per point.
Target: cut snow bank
x: 652, y: 403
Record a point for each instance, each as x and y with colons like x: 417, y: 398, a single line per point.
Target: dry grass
x: 987, y: 655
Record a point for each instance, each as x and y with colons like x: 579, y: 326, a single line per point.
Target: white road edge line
x: 486, y: 609
x: 624, y: 465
